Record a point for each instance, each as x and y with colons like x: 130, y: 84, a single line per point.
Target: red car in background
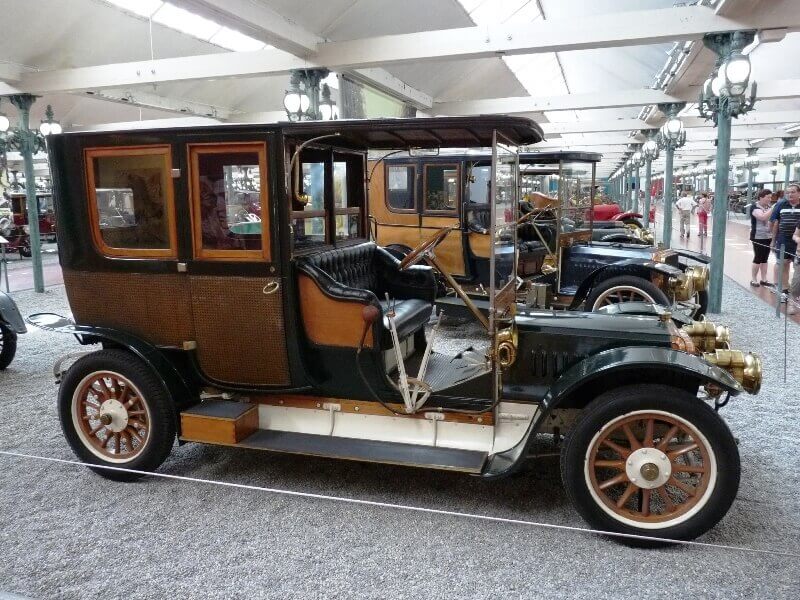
x: 613, y: 212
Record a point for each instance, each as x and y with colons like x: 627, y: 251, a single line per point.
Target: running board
x: 235, y: 424
x: 412, y: 455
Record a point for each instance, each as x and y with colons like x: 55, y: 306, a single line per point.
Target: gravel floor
x: 67, y: 533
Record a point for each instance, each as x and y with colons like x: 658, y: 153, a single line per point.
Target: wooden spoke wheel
x: 624, y: 288
x: 650, y: 460
x: 116, y: 411
x: 651, y: 468
x: 111, y: 416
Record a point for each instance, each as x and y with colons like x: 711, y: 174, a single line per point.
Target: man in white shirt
x: 685, y: 205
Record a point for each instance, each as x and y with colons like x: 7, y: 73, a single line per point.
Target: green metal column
x: 23, y: 103
x: 787, y: 177
x: 648, y: 174
x: 637, y: 182
x: 749, y: 185
x: 720, y: 207
x: 666, y: 236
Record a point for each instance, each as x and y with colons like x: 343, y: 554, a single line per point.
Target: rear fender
x: 691, y: 255
x: 179, y: 386
x: 604, y: 371
x: 9, y: 314
x: 631, y: 266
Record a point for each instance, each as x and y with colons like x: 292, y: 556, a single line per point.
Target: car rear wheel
x: 625, y: 288
x: 115, y: 412
x: 25, y: 251
x: 8, y: 346
x: 650, y: 460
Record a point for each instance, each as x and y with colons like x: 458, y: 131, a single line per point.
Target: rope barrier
x: 405, y: 507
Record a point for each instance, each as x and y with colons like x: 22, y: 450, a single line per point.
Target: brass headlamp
x: 745, y: 368
x: 699, y: 276
x: 506, y: 349
x: 682, y: 286
x: 708, y: 336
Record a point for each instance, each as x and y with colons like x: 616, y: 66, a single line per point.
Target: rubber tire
x: 9, y: 346
x: 630, y: 398
x: 162, y: 412
x: 630, y: 280
x: 635, y: 222
x: 25, y: 252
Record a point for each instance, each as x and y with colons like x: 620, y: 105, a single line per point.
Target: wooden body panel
x: 480, y: 244
x: 328, y: 321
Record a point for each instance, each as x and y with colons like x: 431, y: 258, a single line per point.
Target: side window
x: 230, y: 204
x: 479, y: 184
x: 309, y: 223
x: 441, y: 188
x: 131, y: 202
x: 401, y: 188
x: 346, y: 206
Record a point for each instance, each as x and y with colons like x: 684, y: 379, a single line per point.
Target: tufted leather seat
x: 366, y: 273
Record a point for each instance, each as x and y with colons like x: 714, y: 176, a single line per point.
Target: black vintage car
x: 295, y: 333
x: 584, y: 265
x: 11, y: 325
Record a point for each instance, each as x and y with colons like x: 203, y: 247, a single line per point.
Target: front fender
x: 626, y: 215
x: 615, y: 363
x: 629, y: 264
x: 9, y: 314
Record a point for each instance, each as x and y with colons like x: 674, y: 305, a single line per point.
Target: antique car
x: 15, y: 227
x: 305, y: 337
x: 411, y: 196
x: 612, y: 212
x: 11, y: 325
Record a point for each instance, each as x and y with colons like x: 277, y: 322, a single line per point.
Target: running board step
x: 469, y: 461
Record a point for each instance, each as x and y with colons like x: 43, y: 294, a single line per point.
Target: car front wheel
x: 115, y: 412
x: 625, y: 288
x: 650, y: 460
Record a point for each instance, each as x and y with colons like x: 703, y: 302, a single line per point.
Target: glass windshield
x: 503, y: 229
x: 575, y: 190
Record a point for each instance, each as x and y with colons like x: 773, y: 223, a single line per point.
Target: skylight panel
x: 185, y: 21
x: 143, y: 8
x: 236, y: 41
x: 497, y: 11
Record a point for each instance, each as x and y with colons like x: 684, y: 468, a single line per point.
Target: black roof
x: 388, y: 134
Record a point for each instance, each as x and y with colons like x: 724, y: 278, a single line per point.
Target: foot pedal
x: 219, y: 422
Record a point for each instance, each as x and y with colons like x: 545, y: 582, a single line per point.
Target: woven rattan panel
x: 239, y: 330
x: 154, y: 307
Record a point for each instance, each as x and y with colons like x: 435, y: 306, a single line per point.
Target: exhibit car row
x: 281, y: 287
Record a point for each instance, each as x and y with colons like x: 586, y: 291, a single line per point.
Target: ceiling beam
x: 138, y: 97
x: 267, y: 25
x: 596, y: 31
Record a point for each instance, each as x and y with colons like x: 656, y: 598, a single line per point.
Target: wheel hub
x: 114, y: 415
x: 648, y: 468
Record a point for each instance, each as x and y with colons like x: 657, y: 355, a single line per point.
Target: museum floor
x: 72, y: 534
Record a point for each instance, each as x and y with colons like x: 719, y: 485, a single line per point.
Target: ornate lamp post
x: 670, y: 137
x: 724, y: 97
x: 637, y: 160
x: 29, y: 142
x: 302, y: 100
x: 787, y: 155
x: 650, y: 152
x: 750, y: 163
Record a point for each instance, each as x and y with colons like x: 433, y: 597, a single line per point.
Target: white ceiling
x: 56, y: 34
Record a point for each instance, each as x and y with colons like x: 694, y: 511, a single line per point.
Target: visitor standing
x: 685, y: 206
x: 760, y: 237
x: 784, y: 220
x: 703, y: 210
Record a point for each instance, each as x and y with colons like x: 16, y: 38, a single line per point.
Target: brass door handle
x: 271, y: 288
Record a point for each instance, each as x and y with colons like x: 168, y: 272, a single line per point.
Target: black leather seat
x: 366, y: 273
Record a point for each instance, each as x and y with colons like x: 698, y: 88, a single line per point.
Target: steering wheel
x: 418, y: 253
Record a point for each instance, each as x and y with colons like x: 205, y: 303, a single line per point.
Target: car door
x: 234, y: 274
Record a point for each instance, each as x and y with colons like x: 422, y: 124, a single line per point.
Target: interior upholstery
x: 365, y: 273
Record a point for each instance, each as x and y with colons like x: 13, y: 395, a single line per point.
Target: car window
x: 480, y: 180
x: 229, y: 206
x: 131, y: 201
x: 346, y: 208
x: 309, y: 222
x: 441, y: 188
x: 401, y: 188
